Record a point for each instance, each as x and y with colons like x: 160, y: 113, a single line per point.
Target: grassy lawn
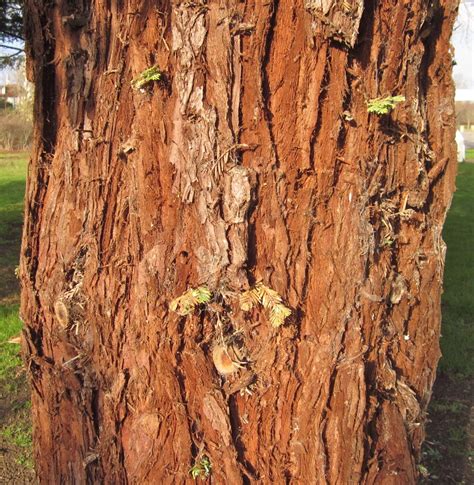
x: 457, y: 343
x: 447, y: 453
x: 15, y: 423
x: 12, y: 189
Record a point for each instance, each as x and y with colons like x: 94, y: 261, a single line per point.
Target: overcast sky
x: 463, y: 41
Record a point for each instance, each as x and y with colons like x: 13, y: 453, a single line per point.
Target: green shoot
x: 147, y: 76
x: 269, y: 299
x: 383, y: 106
x: 186, y: 303
x: 201, y: 468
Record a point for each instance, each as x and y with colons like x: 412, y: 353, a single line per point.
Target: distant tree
x: 24, y: 105
x: 5, y: 104
x: 11, y: 32
x: 465, y: 113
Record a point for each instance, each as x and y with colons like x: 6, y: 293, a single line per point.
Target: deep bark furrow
x: 248, y: 472
x: 322, y: 90
x: 180, y: 377
x: 265, y: 85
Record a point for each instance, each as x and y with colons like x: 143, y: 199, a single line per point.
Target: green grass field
x: 12, y: 189
x: 15, y: 424
x: 457, y: 343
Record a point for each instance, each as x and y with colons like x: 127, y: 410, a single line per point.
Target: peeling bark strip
x: 253, y: 161
x: 337, y: 19
x: 208, y: 164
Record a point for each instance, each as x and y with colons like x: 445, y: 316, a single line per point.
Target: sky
x: 462, y: 40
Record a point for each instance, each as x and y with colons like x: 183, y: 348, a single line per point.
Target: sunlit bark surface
x: 253, y: 159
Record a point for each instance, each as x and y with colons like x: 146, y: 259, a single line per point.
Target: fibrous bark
x: 252, y: 160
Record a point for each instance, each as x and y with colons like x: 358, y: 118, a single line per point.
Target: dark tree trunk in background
x: 253, y: 159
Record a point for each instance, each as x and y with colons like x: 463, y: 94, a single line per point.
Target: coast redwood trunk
x: 251, y: 163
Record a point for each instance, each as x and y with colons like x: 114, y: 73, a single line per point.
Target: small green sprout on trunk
x: 188, y: 301
x: 383, y: 106
x: 269, y: 299
x: 147, y: 76
x: 201, y: 468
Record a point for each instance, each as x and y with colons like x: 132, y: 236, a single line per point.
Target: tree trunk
x: 251, y: 163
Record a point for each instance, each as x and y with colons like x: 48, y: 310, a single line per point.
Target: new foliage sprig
x: 383, y: 106
x: 147, y: 76
x: 201, y: 469
x: 186, y: 303
x: 269, y: 299
x: 258, y: 295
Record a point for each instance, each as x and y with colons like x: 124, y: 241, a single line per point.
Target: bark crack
x: 181, y: 379
x: 249, y: 474
x: 265, y: 90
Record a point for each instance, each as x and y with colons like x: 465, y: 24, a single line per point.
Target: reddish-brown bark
x: 254, y: 159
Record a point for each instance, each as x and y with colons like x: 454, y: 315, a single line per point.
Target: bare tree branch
x: 18, y: 49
